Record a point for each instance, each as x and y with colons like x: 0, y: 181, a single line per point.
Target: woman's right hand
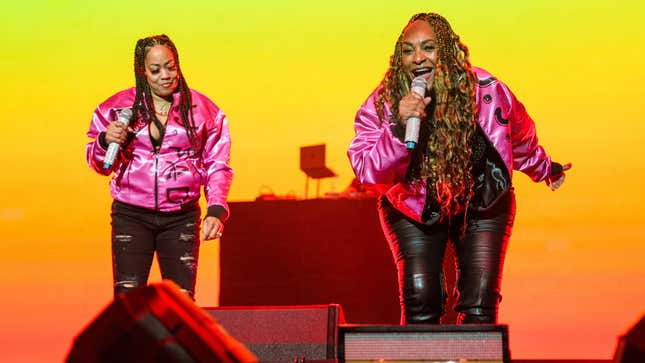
x: 555, y: 181
x: 412, y: 105
x: 116, y: 132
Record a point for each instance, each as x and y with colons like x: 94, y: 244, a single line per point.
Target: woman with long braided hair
x: 453, y: 184
x: 177, y: 141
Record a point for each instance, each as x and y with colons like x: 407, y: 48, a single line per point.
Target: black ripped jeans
x: 138, y: 232
x: 418, y: 251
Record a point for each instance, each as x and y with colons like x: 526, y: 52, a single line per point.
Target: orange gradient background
x: 288, y: 74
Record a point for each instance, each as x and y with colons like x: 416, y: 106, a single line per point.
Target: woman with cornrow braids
x: 177, y: 141
x: 454, y: 184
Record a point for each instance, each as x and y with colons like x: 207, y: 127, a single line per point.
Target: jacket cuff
x: 556, y: 168
x: 104, y: 145
x: 217, y: 211
x: 398, y: 131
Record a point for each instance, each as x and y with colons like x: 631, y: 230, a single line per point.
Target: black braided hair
x: 445, y: 161
x: 143, y: 108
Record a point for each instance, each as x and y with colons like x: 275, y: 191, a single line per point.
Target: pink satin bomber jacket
x: 166, y: 179
x: 378, y: 157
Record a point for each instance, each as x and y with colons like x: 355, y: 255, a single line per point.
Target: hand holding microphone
x: 115, y: 135
x: 412, y: 109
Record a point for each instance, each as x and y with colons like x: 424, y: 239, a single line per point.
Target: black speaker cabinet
x: 631, y: 346
x: 156, y: 323
x: 424, y: 343
x: 284, y: 333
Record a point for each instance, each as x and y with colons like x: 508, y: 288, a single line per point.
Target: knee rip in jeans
x: 124, y: 238
x: 122, y: 241
x: 127, y: 284
x: 186, y: 237
x: 189, y: 261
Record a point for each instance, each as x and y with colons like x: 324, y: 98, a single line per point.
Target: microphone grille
x: 419, y: 82
x: 125, y: 113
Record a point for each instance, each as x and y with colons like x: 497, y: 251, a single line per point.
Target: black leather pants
x: 418, y: 252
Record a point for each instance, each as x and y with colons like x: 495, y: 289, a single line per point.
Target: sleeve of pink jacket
x: 216, y: 159
x: 376, y: 155
x: 529, y: 156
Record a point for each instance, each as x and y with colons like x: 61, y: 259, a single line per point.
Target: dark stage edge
x: 512, y: 361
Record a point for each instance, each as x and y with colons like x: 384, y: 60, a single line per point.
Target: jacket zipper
x: 156, y: 179
x: 157, y: 149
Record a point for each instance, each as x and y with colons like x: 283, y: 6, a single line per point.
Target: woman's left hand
x: 212, y: 228
x: 555, y: 181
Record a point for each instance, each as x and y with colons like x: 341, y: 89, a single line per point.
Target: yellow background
x: 293, y: 73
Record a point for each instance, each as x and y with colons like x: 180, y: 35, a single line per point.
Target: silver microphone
x: 113, y: 148
x: 418, y: 86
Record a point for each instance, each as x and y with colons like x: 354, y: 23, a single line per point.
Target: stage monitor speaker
x: 156, y: 323
x: 424, y: 343
x: 631, y: 346
x: 284, y: 333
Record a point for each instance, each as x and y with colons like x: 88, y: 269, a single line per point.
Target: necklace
x: 162, y: 106
x: 162, y: 110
